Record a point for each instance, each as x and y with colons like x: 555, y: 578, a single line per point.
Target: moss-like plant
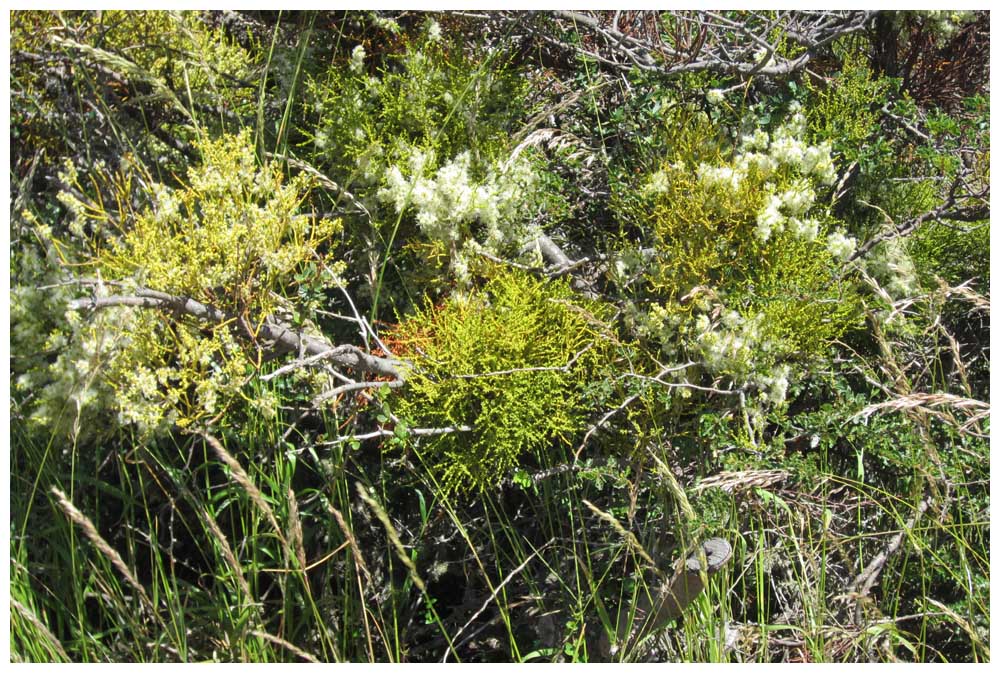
x: 508, y: 363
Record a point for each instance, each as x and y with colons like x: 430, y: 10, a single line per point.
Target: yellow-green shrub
x: 510, y: 361
x: 137, y: 75
x: 746, y: 264
x: 231, y: 238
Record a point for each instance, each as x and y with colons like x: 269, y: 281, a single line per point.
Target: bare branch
x: 564, y: 368
x: 360, y: 385
x: 283, y: 338
x: 384, y: 432
x: 743, y: 46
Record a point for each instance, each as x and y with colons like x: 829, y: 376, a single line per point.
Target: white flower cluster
x: 891, y: 265
x: 387, y: 24
x: 450, y: 200
x: 774, y: 384
x: 734, y: 345
x: 715, y: 97
x: 786, y: 148
x: 764, y: 156
x: 69, y: 390
x: 773, y: 158
x: 433, y: 31
x: 357, y: 59
x: 657, y: 183
x: 840, y: 245
x: 724, y: 177
x: 730, y: 349
x: 141, y: 403
x: 784, y: 210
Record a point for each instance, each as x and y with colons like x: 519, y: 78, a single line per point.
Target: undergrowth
x: 417, y: 337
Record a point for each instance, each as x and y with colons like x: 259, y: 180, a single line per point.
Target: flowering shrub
x: 942, y: 22
x: 373, y: 114
x: 59, y: 356
x: 231, y: 239
x: 422, y: 140
x: 723, y: 196
x: 746, y: 259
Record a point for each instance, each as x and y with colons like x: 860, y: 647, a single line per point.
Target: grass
x: 202, y: 551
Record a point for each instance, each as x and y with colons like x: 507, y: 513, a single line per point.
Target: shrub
x: 422, y: 139
x: 116, y: 81
x: 232, y: 239
x: 371, y: 111
x: 746, y: 264
x: 509, y: 361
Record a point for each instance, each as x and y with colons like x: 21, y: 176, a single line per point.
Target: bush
x: 509, y: 361
x: 747, y: 262
x: 230, y: 239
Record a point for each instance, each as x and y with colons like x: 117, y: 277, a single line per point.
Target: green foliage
x: 747, y: 272
x: 847, y: 114
x: 232, y: 238
x: 953, y: 252
x: 422, y: 139
x: 432, y: 97
x: 717, y: 380
x: 509, y: 361
x: 166, y: 77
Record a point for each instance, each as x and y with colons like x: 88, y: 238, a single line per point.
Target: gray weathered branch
x: 282, y: 338
x: 700, y: 40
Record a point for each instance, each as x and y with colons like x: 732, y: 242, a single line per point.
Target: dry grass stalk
x: 359, y: 561
x: 675, y: 488
x: 346, y: 530
x: 930, y: 403
x: 77, y: 517
x: 287, y: 645
x: 969, y: 629
x: 243, y: 479
x: 393, y: 537
x: 295, y: 534
x: 40, y: 627
x: 630, y: 539
x: 979, y: 301
x: 295, y: 544
x: 227, y: 551
x: 227, y: 554
x: 742, y: 480
x: 956, y: 358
